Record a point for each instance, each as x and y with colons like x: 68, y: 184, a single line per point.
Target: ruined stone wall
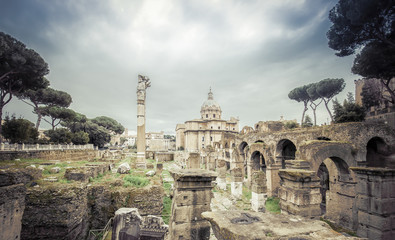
x: 56, y: 212
x: 104, y: 200
x: 65, y: 154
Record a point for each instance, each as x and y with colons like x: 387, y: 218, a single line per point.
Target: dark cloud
x: 252, y: 53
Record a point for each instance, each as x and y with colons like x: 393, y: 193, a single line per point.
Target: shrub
x: 135, y: 181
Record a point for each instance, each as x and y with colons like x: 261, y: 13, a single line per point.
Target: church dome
x: 210, y: 108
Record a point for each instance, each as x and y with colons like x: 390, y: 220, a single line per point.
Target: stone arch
x: 226, y: 145
x: 258, y: 141
x: 286, y: 150
x: 317, y: 152
x: 376, y: 152
x: 258, y: 161
x: 243, y: 150
x: 338, y: 187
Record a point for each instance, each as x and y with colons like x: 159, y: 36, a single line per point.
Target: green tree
x: 19, y: 130
x: 372, y: 93
x: 300, y: 94
x: 109, y: 123
x: 98, y: 135
x: 20, y: 69
x: 45, y: 97
x: 59, y: 135
x: 377, y: 60
x: 80, y: 138
x: 349, y: 111
x: 315, y: 99
x: 57, y: 115
x: 307, y: 122
x: 328, y: 88
x: 359, y: 23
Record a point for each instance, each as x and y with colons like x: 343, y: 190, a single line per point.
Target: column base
x: 140, y: 162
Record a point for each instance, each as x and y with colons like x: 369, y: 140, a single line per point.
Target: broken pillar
x: 193, y: 161
x: 126, y: 224
x: 153, y: 228
x: 192, y: 196
x: 300, y: 193
x: 221, y: 170
x: 259, y: 189
x: 159, y: 168
x: 236, y: 184
x: 143, y: 84
x: 375, y: 201
x: 273, y: 179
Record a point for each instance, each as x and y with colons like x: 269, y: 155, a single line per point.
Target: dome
x: 210, y: 108
x: 210, y: 103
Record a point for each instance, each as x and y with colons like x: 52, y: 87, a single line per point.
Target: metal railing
x: 100, y: 234
x: 30, y: 147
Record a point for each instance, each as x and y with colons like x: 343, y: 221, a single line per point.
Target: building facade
x: 198, y: 134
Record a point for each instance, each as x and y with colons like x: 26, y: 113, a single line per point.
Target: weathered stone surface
x: 12, y: 176
x: 300, y: 192
x: 126, y: 224
x: 56, y: 212
x: 12, y: 205
x: 375, y: 202
x: 193, y: 161
x: 192, y: 196
x: 77, y: 174
x: 246, y: 225
x: 65, y: 154
x: 55, y: 170
x: 124, y: 168
x: 150, y: 173
x: 153, y: 228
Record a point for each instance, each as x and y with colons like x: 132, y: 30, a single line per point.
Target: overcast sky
x: 251, y: 53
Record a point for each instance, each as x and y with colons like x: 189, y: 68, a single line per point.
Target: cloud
x: 252, y: 53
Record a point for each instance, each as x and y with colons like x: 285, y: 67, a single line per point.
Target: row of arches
x: 337, y: 182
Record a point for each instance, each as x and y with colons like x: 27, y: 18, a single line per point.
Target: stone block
x: 190, y: 198
x: 236, y: 189
x: 198, y: 230
x: 187, y: 214
x: 363, y: 203
x: 124, y: 219
x: 221, y: 183
x: 258, y: 201
x: 382, y: 206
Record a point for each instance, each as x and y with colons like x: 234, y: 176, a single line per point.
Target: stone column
x: 300, y: 193
x: 375, y: 202
x: 221, y: 169
x: 236, y: 184
x: 259, y: 189
x: 273, y: 179
x: 142, y: 85
x: 192, y: 196
x: 193, y: 161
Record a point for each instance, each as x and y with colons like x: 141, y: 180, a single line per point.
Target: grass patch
x: 167, y: 187
x: 272, y: 205
x: 166, y: 209
x: 135, y: 181
x: 247, y: 194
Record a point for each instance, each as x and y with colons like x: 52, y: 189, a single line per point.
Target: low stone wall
x: 83, y: 174
x: 164, y: 156
x: 64, y: 154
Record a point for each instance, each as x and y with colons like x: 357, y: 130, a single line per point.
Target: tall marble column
x: 143, y: 84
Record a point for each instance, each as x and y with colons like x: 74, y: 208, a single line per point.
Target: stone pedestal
x: 375, y: 202
x: 126, y: 224
x: 221, y: 170
x: 236, y: 183
x: 258, y: 188
x: 159, y: 168
x: 300, y: 193
x: 192, y: 196
x: 12, y: 205
x: 193, y: 161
